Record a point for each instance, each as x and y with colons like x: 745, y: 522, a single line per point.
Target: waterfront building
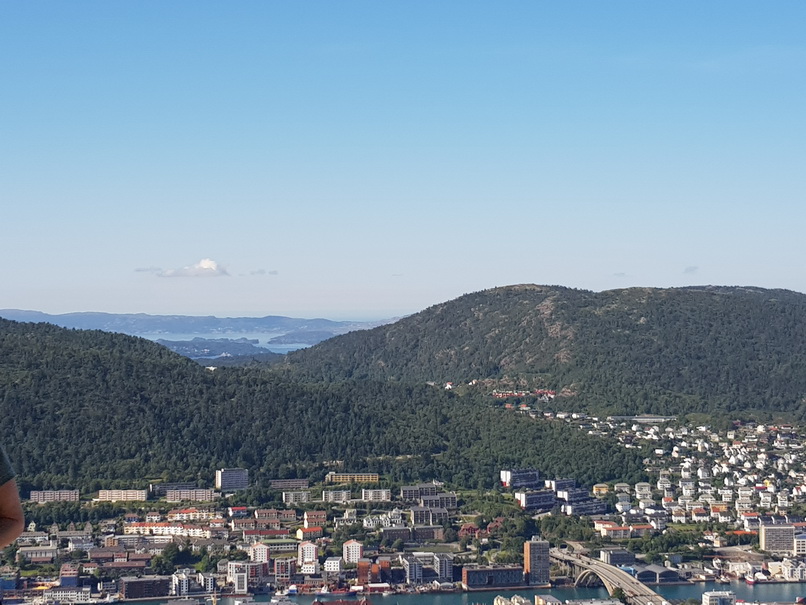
x: 777, y: 538
x: 242, y: 574
x: 284, y: 570
x: 180, y: 582
x: 793, y: 571
x: 476, y: 577
x: 617, y: 557
x: 443, y: 565
x: 718, y: 597
x: 536, y: 562
x: 151, y: 587
x: 413, y: 568
x: 67, y: 594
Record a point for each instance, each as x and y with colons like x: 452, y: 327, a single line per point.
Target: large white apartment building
x: 352, y: 551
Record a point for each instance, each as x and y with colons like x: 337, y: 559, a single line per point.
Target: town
x: 717, y: 505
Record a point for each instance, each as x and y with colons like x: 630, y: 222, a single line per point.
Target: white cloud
x: 204, y: 268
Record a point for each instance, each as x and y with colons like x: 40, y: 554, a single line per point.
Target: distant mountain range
x: 279, y: 330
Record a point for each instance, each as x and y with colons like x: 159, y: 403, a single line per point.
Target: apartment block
x: 122, y: 495
x: 334, y: 477
x: 54, y: 495
x: 231, y: 479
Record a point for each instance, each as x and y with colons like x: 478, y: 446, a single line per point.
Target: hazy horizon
x: 368, y: 160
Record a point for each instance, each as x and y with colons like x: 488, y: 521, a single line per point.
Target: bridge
x: 613, y: 578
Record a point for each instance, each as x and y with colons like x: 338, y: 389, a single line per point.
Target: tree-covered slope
x: 632, y: 350
x: 89, y: 409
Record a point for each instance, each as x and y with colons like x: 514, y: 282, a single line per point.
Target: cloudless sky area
x: 364, y: 160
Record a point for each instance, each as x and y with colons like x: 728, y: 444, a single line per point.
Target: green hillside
x: 668, y: 351
x: 89, y: 409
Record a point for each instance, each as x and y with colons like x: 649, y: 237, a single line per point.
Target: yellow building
x: 333, y: 477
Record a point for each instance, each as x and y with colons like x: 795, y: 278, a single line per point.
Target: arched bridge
x: 612, y: 577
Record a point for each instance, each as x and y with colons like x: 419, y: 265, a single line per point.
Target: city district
x: 717, y: 505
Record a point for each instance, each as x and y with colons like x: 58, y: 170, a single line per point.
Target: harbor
x: 772, y: 592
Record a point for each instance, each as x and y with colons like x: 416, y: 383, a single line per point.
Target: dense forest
x: 665, y: 351
x: 91, y: 409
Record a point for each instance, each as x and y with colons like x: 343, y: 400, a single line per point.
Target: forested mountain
x: 697, y: 349
x: 89, y: 409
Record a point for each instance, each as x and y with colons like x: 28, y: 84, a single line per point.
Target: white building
x: 718, y: 597
x: 339, y: 495
x: 307, y: 552
x: 352, y: 551
x: 259, y: 553
x: 180, y: 582
x: 376, y: 495
x: 295, y: 497
x: 334, y: 565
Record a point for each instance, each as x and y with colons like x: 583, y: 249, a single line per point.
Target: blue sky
x: 361, y: 160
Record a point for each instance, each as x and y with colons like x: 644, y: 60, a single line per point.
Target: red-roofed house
x: 310, y: 533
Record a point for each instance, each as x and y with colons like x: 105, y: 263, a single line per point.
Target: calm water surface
x: 760, y: 593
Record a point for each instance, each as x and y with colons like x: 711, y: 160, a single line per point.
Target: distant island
x: 212, y: 336
x: 214, y: 347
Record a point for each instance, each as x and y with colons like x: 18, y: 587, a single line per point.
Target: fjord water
x: 784, y: 592
x: 263, y: 338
